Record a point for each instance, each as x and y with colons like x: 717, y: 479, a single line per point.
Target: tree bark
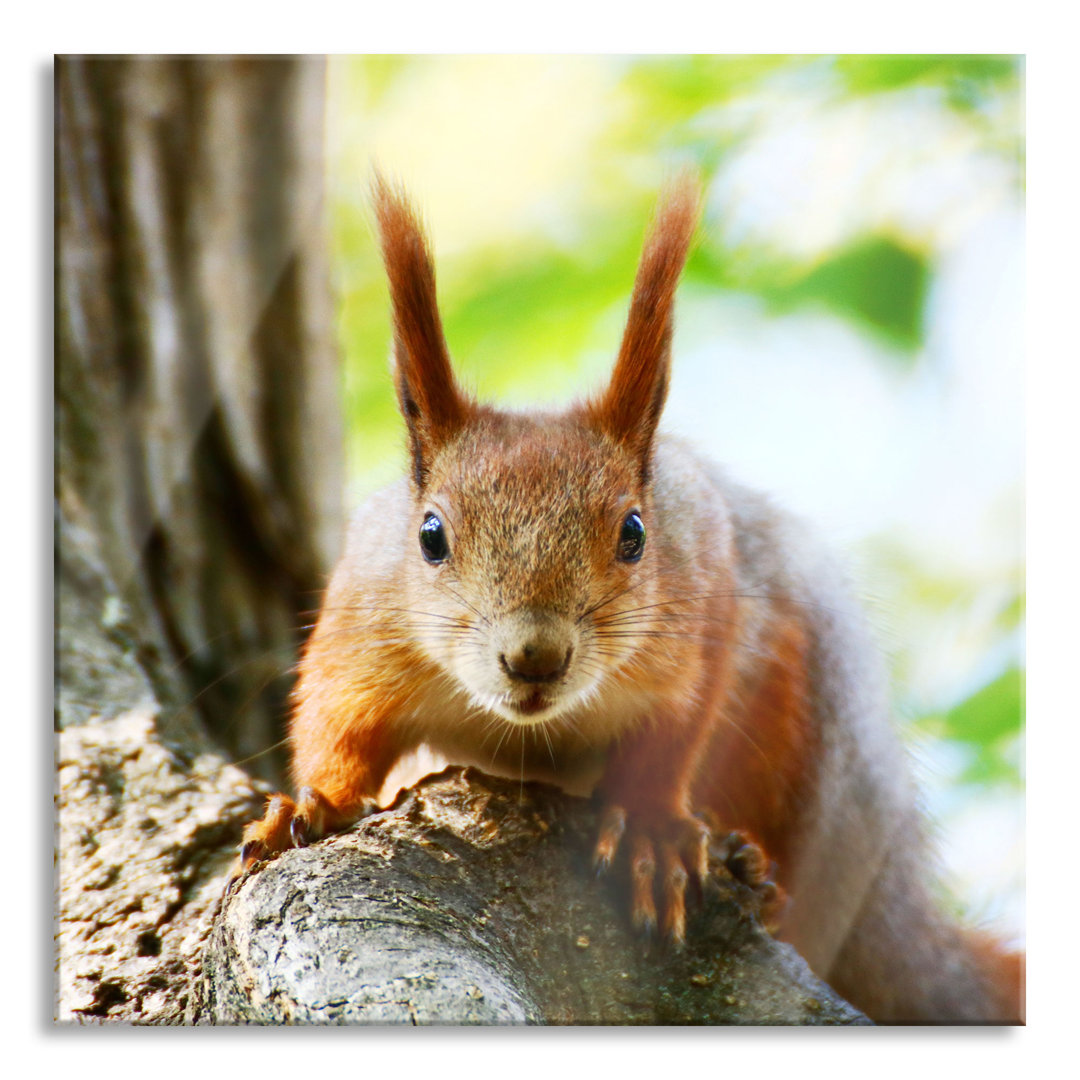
x: 197, y: 493
x: 147, y: 830
x: 472, y: 901
x: 198, y: 409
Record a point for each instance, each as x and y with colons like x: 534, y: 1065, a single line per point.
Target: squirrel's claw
x: 251, y: 852
x: 667, y: 855
x: 288, y: 824
x: 612, y: 827
x: 298, y: 832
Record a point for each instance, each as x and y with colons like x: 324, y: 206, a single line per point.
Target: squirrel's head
x: 533, y: 534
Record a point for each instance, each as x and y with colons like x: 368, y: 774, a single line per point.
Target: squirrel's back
x: 852, y: 843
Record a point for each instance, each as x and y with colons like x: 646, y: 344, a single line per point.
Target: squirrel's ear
x: 431, y: 403
x: 630, y: 407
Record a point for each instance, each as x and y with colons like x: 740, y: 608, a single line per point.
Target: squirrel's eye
x: 433, y: 539
x: 631, y: 538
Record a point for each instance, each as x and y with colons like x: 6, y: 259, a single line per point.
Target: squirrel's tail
x: 904, y: 962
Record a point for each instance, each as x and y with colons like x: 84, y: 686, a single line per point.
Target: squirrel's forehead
x: 542, y: 527
x: 538, y: 462
x: 530, y: 495
x: 557, y: 482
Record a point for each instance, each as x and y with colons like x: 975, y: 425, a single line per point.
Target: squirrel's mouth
x: 535, y: 703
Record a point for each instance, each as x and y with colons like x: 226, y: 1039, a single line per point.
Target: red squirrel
x: 571, y: 596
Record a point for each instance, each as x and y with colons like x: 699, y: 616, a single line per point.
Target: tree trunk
x: 199, y: 439
x: 198, y: 487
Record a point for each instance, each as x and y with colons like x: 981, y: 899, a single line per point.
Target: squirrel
x: 577, y: 598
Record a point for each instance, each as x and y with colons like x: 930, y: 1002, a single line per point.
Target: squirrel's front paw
x: 667, y: 852
x: 289, y: 824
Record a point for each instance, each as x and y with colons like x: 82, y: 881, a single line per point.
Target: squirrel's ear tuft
x: 430, y: 401
x: 630, y: 407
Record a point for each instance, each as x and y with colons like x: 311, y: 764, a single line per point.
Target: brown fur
x: 755, y: 773
x: 430, y: 401
x: 725, y: 672
x: 630, y: 407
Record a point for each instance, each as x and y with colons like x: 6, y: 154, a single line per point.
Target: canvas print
x: 540, y: 540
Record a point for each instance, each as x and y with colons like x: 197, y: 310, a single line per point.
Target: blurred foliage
x: 966, y: 79
x: 498, y: 303
x: 979, y: 620
x: 532, y: 309
x: 877, y: 282
x: 680, y: 88
x: 987, y: 722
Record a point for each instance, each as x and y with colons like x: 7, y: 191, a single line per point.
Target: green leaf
x: 991, y: 715
x: 876, y: 282
x: 988, y: 725
x: 677, y: 88
x: 966, y: 79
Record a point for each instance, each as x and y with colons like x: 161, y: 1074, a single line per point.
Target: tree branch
x: 472, y: 901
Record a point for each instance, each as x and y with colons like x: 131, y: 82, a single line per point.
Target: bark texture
x: 197, y: 494
x: 147, y: 830
x: 199, y: 439
x: 472, y: 901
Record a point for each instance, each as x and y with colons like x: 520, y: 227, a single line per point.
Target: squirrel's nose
x: 536, y: 663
